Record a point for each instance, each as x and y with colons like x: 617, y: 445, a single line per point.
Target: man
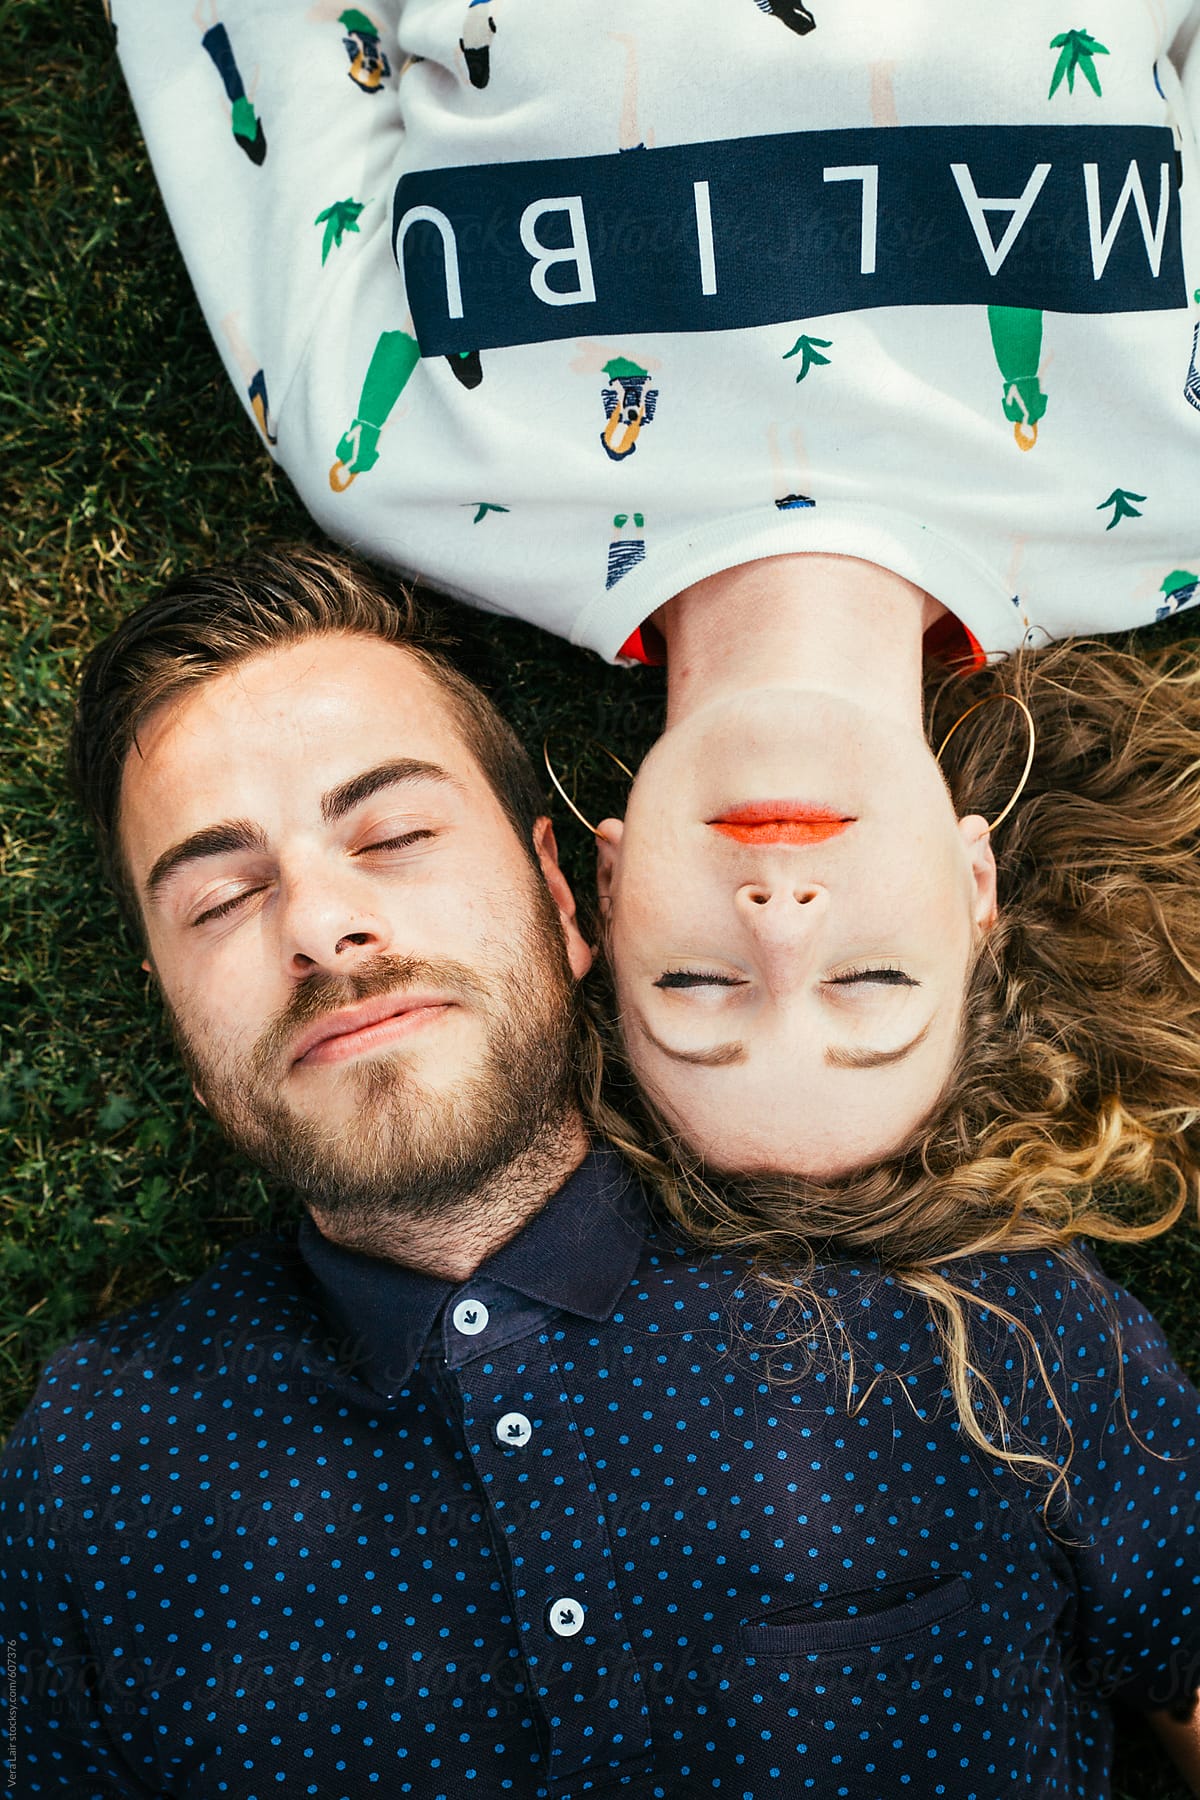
x: 481, y: 1482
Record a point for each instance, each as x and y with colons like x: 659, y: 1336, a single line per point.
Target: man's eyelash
x: 685, y: 978
x: 226, y: 906
x: 396, y: 843
x: 886, y: 976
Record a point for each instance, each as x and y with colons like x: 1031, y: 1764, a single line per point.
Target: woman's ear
x: 609, y: 833
x: 973, y: 829
x: 579, y: 951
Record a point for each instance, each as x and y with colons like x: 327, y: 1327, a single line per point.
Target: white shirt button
x: 470, y: 1317
x: 565, y: 1617
x: 514, y: 1428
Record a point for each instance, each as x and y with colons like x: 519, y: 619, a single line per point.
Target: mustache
x: 319, y: 995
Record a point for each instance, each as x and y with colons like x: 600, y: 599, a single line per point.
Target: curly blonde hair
x: 1074, y: 1109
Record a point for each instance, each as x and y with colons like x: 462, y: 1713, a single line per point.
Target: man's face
x: 370, y: 983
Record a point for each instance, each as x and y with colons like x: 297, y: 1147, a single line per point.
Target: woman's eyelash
x: 686, y: 978
x: 890, y: 977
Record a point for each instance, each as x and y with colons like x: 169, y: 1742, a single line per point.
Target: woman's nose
x: 781, y: 909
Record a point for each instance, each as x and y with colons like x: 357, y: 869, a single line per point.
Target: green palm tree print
x: 1076, y: 50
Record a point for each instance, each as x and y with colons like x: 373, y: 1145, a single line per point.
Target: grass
x: 127, y: 458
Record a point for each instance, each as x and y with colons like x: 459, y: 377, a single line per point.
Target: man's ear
x: 579, y: 951
x: 977, y: 839
x: 609, y: 833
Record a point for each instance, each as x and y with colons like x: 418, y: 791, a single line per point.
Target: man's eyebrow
x: 234, y: 835
x: 341, y: 800
x: 838, y: 1057
x: 716, y: 1058
x: 212, y: 840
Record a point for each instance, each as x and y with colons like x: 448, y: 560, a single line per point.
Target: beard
x: 411, y: 1152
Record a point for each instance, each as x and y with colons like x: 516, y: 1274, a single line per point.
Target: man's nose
x: 326, y: 929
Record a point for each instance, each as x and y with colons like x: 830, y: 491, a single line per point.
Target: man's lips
x: 356, y: 1028
x: 781, y: 822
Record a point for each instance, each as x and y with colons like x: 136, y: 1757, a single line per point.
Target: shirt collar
x: 577, y: 1254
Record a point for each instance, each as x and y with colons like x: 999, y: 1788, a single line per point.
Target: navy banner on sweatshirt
x: 754, y: 231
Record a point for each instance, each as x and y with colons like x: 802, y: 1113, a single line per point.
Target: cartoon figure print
x: 629, y: 137
x: 1191, y: 385
x: 1178, y: 590
x: 1017, y: 343
x: 466, y: 366
x: 479, y: 28
x: 247, y: 127
x: 393, y: 360
x: 628, y: 546
x: 252, y: 374
x: 629, y: 403
x: 789, y: 473
x: 369, y: 66
x: 797, y: 18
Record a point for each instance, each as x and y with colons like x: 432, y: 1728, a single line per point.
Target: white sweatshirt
x: 566, y: 307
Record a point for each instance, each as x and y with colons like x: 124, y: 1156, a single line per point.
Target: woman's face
x: 793, y: 910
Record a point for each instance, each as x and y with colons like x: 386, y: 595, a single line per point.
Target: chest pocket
x: 954, y: 1684
x: 969, y: 1643
x: 859, y: 1620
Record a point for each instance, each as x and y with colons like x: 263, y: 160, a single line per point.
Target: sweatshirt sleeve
x: 1133, y: 1536
x: 65, y: 1729
x: 1185, y: 54
x: 272, y: 130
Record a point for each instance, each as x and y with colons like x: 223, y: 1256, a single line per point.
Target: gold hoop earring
x: 611, y: 754
x: 1020, y: 787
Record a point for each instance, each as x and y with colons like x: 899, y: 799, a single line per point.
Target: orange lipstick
x: 780, y: 822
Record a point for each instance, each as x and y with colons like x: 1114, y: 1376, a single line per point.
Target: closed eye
x: 226, y: 906
x: 693, y: 978
x: 397, y: 843
x: 885, y: 976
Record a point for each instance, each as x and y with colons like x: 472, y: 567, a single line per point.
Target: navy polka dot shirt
x: 599, y: 1517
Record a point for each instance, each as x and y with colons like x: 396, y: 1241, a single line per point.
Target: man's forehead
x: 328, y: 684
x: 311, y: 714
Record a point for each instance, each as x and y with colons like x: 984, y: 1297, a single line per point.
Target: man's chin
x: 370, y: 1135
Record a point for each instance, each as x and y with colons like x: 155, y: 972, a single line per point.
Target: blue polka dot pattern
x: 318, y: 1525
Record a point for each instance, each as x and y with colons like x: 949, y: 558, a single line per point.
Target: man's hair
x: 207, y: 622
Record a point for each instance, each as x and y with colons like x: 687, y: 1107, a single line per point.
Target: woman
x: 533, y: 315
x: 1069, y: 1100
x: 820, y: 959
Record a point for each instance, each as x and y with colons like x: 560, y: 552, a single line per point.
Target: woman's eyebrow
x: 349, y: 794
x: 849, y: 1057
x: 715, y: 1058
